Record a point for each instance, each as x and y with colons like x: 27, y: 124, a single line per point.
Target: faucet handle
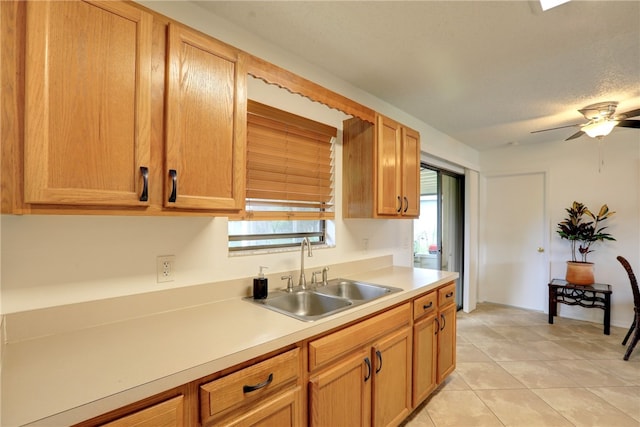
x: 289, y: 280
x: 314, y: 275
x: 325, y: 275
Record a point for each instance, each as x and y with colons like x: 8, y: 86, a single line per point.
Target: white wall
x: 575, y: 173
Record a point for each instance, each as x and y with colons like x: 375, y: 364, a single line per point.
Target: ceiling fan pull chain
x: 600, y: 155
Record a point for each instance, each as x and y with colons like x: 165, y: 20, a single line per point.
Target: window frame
x: 321, y: 210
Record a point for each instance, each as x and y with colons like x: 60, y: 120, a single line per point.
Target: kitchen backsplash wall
x: 55, y: 260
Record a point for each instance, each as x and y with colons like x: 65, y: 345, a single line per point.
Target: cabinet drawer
x: 425, y: 304
x: 341, y: 342
x: 249, y: 383
x: 168, y: 413
x: 447, y: 295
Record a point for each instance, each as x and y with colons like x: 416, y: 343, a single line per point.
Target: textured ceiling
x: 485, y: 73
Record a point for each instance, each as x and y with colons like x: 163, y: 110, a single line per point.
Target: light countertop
x: 71, y: 376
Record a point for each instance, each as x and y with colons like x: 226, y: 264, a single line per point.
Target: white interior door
x: 514, y: 267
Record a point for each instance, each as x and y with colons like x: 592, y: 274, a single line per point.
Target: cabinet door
x: 341, y: 394
x: 392, y: 378
x: 87, y: 112
x: 388, y: 164
x: 166, y: 414
x: 284, y: 410
x: 425, y: 354
x: 446, y: 342
x: 410, y: 173
x: 205, y: 123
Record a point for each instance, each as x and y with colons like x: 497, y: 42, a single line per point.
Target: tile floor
x: 514, y: 369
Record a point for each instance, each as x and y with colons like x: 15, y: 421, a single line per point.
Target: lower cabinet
x: 263, y: 394
x: 425, y: 346
x: 341, y: 393
x: 446, y: 342
x: 370, y: 373
x: 368, y: 381
x: 281, y: 410
x: 434, y: 340
x: 167, y: 414
x: 392, y: 379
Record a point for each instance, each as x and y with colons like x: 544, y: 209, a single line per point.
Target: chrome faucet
x: 303, y: 281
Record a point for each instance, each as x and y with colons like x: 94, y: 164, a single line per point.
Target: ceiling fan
x: 601, y: 120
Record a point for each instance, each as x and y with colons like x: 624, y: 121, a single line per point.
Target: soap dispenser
x: 260, y: 285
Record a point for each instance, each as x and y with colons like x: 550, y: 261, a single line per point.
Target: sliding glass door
x: 438, y: 235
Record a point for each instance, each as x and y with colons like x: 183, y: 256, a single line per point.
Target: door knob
x: 540, y: 249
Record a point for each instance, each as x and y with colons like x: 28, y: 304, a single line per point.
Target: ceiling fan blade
x: 575, y: 135
x: 629, y: 124
x: 628, y: 114
x: 559, y: 127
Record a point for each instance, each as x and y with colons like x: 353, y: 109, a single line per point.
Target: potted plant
x: 583, y: 232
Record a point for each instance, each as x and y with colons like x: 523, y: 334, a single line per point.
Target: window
x: 289, y: 181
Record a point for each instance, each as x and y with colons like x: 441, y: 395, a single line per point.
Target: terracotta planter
x: 580, y: 273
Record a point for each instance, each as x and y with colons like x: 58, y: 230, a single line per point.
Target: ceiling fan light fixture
x: 600, y: 128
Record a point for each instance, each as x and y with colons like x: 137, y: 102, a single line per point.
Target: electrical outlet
x: 165, y: 267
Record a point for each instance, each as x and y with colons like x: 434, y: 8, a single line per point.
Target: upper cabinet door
x: 410, y: 173
x: 205, y: 123
x: 87, y: 95
x: 388, y: 153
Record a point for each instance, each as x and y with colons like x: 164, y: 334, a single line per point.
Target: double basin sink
x: 324, y: 300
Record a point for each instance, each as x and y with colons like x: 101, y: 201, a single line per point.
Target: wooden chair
x: 636, y: 308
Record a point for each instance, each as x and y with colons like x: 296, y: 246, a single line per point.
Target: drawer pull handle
x: 380, y: 359
x: 449, y: 295
x: 444, y: 322
x: 427, y: 306
x: 368, y: 363
x: 250, y: 388
x: 437, y: 325
x: 144, y: 171
x: 174, y: 185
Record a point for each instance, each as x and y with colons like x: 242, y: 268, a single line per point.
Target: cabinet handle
x: 399, y: 203
x: 379, y: 359
x: 144, y: 171
x: 449, y: 295
x: 406, y: 204
x: 250, y: 388
x: 427, y: 306
x: 368, y: 363
x: 444, y: 322
x: 174, y: 185
x: 437, y: 325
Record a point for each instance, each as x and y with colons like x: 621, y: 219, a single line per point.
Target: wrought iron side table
x: 597, y: 295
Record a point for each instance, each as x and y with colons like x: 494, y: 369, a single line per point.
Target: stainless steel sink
x: 354, y: 290
x: 306, y: 305
x: 322, y: 301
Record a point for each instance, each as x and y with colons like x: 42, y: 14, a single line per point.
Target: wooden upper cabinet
x: 381, y: 169
x: 87, y: 96
x: 389, y: 164
x: 206, y: 111
x: 411, y: 173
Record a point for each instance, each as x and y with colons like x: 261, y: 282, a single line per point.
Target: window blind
x: 290, y: 170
